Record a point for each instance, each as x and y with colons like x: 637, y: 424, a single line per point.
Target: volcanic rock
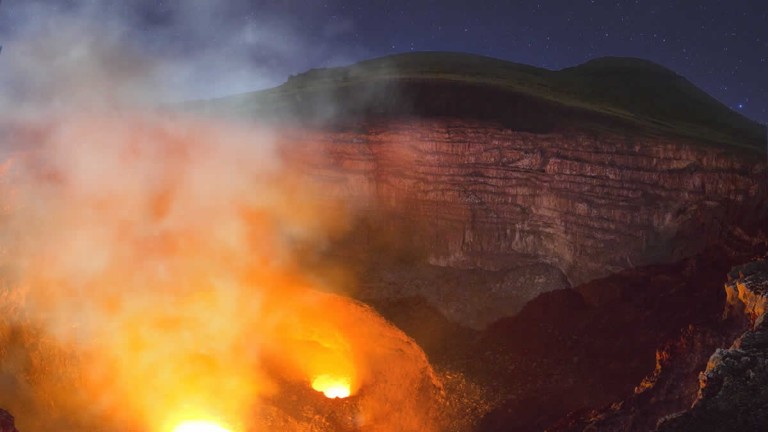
x: 483, y: 189
x: 677, y: 396
x: 478, y: 196
x: 548, y: 178
x: 6, y: 422
x: 669, y: 389
x: 734, y: 387
x: 584, y: 350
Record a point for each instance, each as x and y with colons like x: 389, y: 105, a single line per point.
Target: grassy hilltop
x: 605, y: 93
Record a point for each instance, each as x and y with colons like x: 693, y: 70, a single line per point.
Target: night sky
x: 240, y: 45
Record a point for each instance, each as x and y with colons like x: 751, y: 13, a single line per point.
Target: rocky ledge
x: 731, y: 392
x: 6, y: 422
x: 734, y: 387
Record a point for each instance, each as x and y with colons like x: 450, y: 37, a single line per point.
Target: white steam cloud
x: 199, y: 48
x: 149, y: 260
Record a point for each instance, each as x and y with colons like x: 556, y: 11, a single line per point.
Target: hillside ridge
x: 616, y: 93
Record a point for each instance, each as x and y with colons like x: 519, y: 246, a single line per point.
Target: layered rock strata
x: 474, y: 194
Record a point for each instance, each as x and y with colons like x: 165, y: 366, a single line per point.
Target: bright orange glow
x: 332, y: 387
x: 158, y: 286
x: 199, y: 426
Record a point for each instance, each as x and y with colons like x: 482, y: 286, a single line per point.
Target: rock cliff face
x: 698, y: 385
x: 734, y: 387
x: 472, y: 194
x: 590, y: 347
x: 532, y: 179
x: 6, y: 422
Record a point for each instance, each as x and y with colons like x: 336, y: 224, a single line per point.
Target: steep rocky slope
x: 734, y: 387
x: 533, y: 180
x: 591, y: 346
x: 699, y: 384
x: 6, y: 422
x: 556, y: 241
x: 534, y: 212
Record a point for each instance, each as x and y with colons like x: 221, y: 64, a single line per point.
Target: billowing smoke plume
x: 149, y: 262
x: 207, y: 48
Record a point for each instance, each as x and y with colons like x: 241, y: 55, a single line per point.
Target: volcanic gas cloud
x: 151, y: 283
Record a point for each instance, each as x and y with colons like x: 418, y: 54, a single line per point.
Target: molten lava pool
x: 332, y: 387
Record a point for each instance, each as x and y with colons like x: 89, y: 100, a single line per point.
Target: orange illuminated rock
x: 161, y: 272
x: 6, y: 422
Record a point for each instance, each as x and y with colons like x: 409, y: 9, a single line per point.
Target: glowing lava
x: 332, y: 387
x: 213, y: 236
x: 200, y: 426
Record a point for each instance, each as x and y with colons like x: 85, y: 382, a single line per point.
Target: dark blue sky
x: 720, y: 46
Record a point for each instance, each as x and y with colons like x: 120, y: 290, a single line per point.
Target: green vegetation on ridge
x: 632, y: 91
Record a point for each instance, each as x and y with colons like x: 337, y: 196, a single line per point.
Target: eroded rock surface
x: 670, y: 388
x: 587, y: 347
x: 476, y: 195
x: 733, y: 393
x: 6, y: 422
x: 692, y: 389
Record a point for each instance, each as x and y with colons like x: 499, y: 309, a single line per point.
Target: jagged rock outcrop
x: 669, y: 389
x: 6, y: 422
x: 572, y: 351
x: 692, y: 389
x: 733, y: 393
